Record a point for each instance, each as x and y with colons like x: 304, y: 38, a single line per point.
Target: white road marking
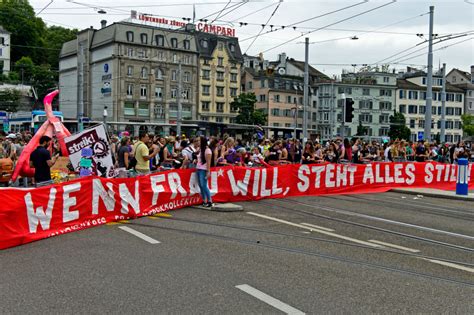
x: 318, y: 227
x: 314, y: 230
x: 391, y: 221
x: 139, y: 235
x: 269, y: 300
x: 448, y: 264
x: 395, y: 246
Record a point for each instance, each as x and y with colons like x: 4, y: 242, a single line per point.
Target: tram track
x: 309, y: 253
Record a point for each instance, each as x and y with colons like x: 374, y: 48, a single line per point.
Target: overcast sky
x: 381, y: 33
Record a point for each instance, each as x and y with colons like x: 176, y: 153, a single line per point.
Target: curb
x: 434, y: 195
x: 222, y: 207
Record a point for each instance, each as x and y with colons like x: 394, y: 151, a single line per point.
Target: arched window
x: 129, y: 36
x: 144, y: 73
x: 158, y: 74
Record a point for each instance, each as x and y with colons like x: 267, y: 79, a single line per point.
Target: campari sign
x: 201, y: 27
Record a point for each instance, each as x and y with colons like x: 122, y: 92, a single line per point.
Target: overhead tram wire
x: 313, y: 18
x: 228, y: 12
x: 219, y: 14
x: 263, y: 26
x: 441, y: 48
x: 331, y: 24
x: 45, y: 7
x: 214, y: 13
x: 252, y: 13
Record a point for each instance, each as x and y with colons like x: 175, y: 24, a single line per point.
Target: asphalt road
x: 313, y: 255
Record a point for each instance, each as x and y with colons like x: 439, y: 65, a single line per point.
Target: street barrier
x: 462, y: 178
x: 29, y: 214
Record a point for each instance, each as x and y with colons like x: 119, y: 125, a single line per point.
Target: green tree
x: 24, y: 67
x: 9, y: 100
x: 248, y: 114
x: 398, y: 128
x: 362, y: 130
x: 56, y: 36
x: 27, y: 30
x: 468, y: 124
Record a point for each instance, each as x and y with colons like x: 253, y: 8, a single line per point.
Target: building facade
x: 131, y: 69
x: 279, y: 88
x: 5, y: 43
x: 464, y: 80
x: 373, y: 94
x: 220, y: 62
x: 411, y: 101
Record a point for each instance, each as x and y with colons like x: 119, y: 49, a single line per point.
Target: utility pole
x: 80, y: 88
x: 306, y: 90
x: 442, y: 137
x: 343, y: 126
x: 178, y: 96
x: 429, y: 80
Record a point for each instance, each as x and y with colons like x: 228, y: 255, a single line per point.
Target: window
x: 422, y: 95
x: 365, y: 104
x: 143, y: 91
x: 315, y: 104
x: 449, y: 111
x: 144, y: 38
x: 365, y: 91
x: 288, y: 99
x: 250, y: 85
x: 158, y: 74
x: 385, y: 92
x: 220, y: 46
x: 449, y: 124
x: 365, y: 118
x: 275, y: 112
x: 422, y: 109
x: 204, y: 118
x: 174, y: 42
x: 160, y: 56
x: 129, y: 36
x: 471, y: 106
x: 344, y: 90
x: 450, y: 97
x: 403, y: 109
x: 129, y: 71
x: 386, y: 79
x: 262, y: 97
x: 412, y: 95
x: 220, y: 76
x: 233, y: 77
x: 129, y: 90
x: 159, y: 40
x: 186, y: 93
x: 220, y: 107
x: 130, y: 52
x: 129, y: 109
x: 143, y: 110
x: 458, y: 111
x: 220, y: 61
x: 204, y: 43
x: 187, y: 59
x: 262, y: 83
x: 276, y: 98
x: 205, y: 106
x: 433, y: 110
x: 232, y: 48
x: 384, y: 119
x: 383, y: 132
x: 424, y: 81
x: 206, y: 74
x: 141, y: 53
x: 220, y: 91
x: 287, y: 113
x: 385, y: 105
x: 412, y: 109
x: 144, y: 73
x: 187, y: 76
x: 187, y: 44
x: 233, y: 92
x: 205, y: 89
x: 158, y: 93
x: 458, y: 97
x: 402, y: 94
x: 174, y: 92
x: 457, y: 125
x: 219, y: 119
x: 174, y: 75
x: 421, y: 123
x: 412, y: 123
x: 2, y: 40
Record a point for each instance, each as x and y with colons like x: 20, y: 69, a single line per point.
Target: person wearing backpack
x: 142, y: 154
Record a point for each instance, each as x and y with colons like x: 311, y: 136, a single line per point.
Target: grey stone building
x: 464, y: 80
x: 131, y: 69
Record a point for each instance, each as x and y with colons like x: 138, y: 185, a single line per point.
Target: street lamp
x: 105, y: 114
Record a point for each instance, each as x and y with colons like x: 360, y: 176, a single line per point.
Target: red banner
x: 27, y: 215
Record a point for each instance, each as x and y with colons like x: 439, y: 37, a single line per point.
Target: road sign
x: 421, y: 135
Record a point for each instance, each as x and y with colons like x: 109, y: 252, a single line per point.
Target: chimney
x: 472, y: 74
x: 103, y: 24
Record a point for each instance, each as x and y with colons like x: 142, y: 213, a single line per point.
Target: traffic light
x: 348, y: 110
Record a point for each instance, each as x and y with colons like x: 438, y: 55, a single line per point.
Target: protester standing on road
x: 41, y: 160
x: 123, y: 153
x: 203, y: 170
x: 420, y: 152
x: 142, y: 154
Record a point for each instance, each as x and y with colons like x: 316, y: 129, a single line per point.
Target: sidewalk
x: 436, y: 193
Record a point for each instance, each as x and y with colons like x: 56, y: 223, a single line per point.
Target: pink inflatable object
x: 52, y: 127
